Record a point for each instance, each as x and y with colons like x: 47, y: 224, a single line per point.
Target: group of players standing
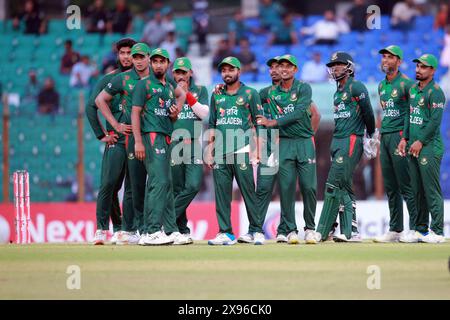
x: 153, y: 143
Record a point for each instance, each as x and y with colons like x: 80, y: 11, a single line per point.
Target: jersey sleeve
x: 91, y: 109
x: 303, y: 102
x: 361, y: 95
x: 436, y: 105
x: 255, y: 109
x: 114, y: 86
x: 139, y: 96
x: 212, y: 113
x: 203, y: 97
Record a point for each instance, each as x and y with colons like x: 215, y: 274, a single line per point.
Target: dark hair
x: 125, y: 42
x: 68, y: 42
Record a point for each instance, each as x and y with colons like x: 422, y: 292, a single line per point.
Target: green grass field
x: 273, y: 271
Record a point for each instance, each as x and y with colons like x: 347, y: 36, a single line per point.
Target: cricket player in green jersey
x: 289, y: 106
x: 187, y: 166
x: 114, y: 157
x: 154, y: 109
x: 394, y: 99
x: 352, y: 114
x: 122, y: 85
x: 232, y: 143
x: 423, y: 140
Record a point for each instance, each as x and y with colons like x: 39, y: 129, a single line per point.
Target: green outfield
x: 273, y: 271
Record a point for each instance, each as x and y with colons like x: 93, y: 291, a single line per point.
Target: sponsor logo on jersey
x: 240, y: 101
x: 293, y: 96
x: 421, y: 101
x: 344, y: 96
x: 394, y: 93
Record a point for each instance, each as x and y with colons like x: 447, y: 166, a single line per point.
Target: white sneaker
x: 129, y: 238
x: 115, y: 237
x: 246, y: 238
x: 225, y: 239
x: 190, y: 239
x: 259, y: 238
x: 390, y: 236
x: 332, y: 231
x: 342, y: 238
x: 142, y: 239
x: 432, y: 237
x: 312, y: 237
x: 293, y: 238
x: 99, y: 237
x: 178, y: 238
x: 281, y: 238
x: 157, y: 238
x: 411, y: 236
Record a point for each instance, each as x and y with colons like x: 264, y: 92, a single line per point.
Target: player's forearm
x: 368, y: 116
x: 94, y: 121
x: 102, y: 104
x: 292, y: 117
x: 201, y: 110
x: 136, y: 123
x: 315, y: 117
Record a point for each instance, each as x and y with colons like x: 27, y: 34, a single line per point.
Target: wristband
x: 190, y: 99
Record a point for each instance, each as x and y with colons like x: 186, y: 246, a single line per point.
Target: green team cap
x: 288, y: 57
x: 428, y: 59
x: 160, y: 52
x: 395, y: 50
x: 272, y: 60
x: 232, y: 61
x: 140, y: 48
x: 182, y: 64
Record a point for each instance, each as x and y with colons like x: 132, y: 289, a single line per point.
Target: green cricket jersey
x: 352, y: 110
x: 264, y: 96
x: 155, y: 98
x: 123, y: 85
x: 394, y: 102
x: 91, y: 107
x: 233, y: 112
x: 425, y: 116
x: 187, y: 118
x: 291, y: 109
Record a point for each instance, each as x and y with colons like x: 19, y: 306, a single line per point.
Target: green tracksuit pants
x: 396, y: 182
x: 267, y: 177
x: 424, y: 173
x: 223, y: 175
x: 297, y: 160
x: 187, y: 175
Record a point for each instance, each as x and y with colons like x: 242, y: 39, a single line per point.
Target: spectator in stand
x: 110, y: 59
x: 179, y: 53
x: 358, y: 16
x: 48, y: 98
x: 158, y: 6
x: 284, y: 32
x: 270, y: 14
x: 403, y: 15
x: 442, y: 17
x: 82, y: 72
x: 156, y: 30
x: 314, y: 70
x: 33, y: 18
x: 200, y: 18
x: 325, y: 31
x: 120, y: 18
x: 98, y: 17
x: 32, y: 88
x: 69, y: 58
x: 247, y: 58
x: 223, y: 50
x: 236, y: 29
x: 170, y: 44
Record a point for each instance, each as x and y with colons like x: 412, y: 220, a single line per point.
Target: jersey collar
x: 430, y: 84
x: 399, y: 74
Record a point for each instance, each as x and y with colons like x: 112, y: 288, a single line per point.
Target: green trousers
x: 297, y: 160
x: 114, y: 169
x: 424, y: 173
x: 264, y: 187
x: 223, y: 174
x: 345, y: 156
x: 187, y: 175
x: 137, y: 176
x: 159, y: 201
x: 396, y: 182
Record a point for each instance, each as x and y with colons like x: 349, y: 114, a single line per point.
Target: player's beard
x: 420, y: 77
x: 388, y: 70
x: 158, y: 75
x: 230, y: 80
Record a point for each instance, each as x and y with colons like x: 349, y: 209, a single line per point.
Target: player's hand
x: 219, y: 88
x: 209, y: 159
x: 110, y: 139
x: 173, y: 112
x: 123, y: 128
x: 415, y: 149
x: 402, y: 147
x: 263, y: 121
x: 139, y: 150
x: 183, y: 85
